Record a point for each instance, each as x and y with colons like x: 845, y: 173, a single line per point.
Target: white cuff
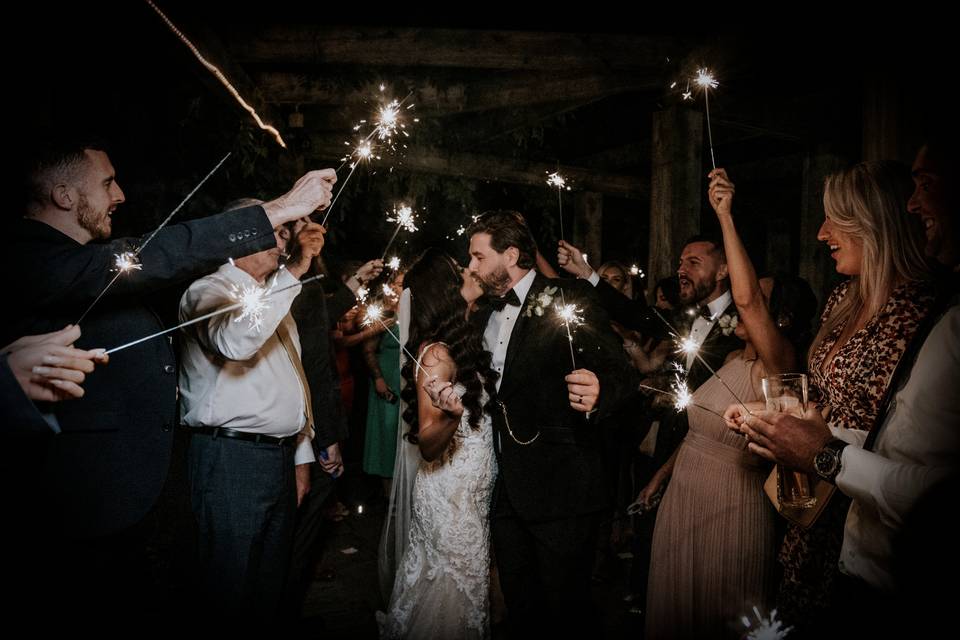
x: 304, y: 453
x: 593, y: 278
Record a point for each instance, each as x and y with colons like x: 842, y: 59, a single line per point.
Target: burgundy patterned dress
x: 852, y: 385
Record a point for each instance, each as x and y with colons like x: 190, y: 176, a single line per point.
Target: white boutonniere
x: 537, y: 305
x: 728, y: 323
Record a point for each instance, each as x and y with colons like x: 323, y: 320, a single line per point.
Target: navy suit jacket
x: 106, y: 468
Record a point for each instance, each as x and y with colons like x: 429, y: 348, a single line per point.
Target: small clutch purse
x: 804, y: 517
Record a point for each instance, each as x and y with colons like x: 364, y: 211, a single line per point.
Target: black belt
x: 223, y: 432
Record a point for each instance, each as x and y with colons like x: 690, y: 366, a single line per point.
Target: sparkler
x: 706, y: 80
x: 130, y: 260
x: 689, y: 346
x: 570, y: 314
x: 375, y: 314
x: 405, y: 219
x: 362, y: 293
x: 363, y: 151
x: 388, y: 121
x: 127, y: 261
x: 556, y: 180
x: 219, y: 76
x: 682, y: 398
x: 636, y: 271
x: 767, y: 628
x: 247, y: 303
x: 394, y: 263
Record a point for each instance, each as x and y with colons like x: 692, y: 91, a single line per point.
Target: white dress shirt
x: 234, y: 376
x: 496, y: 337
x: 918, y: 446
x: 701, y: 326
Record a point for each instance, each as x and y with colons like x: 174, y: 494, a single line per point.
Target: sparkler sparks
x: 569, y: 314
x: 766, y: 628
x: 252, y: 300
x: 636, y: 271
x: 388, y: 291
x: 362, y: 293
x: 219, y: 76
x: 404, y: 217
x: 394, y: 263
x: 681, y: 393
x: 707, y: 81
x: 127, y: 261
x: 687, y: 346
x: 556, y: 180
x: 461, y: 230
x: 374, y: 313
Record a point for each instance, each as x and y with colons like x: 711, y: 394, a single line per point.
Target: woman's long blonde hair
x: 869, y: 201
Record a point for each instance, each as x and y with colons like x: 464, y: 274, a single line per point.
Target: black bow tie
x: 706, y: 313
x: 510, y: 298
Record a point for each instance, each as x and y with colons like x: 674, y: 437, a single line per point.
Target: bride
x: 435, y: 551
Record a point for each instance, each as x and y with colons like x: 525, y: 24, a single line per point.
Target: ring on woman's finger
x: 579, y: 399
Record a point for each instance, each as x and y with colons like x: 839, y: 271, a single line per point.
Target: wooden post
x: 676, y: 186
x: 588, y: 225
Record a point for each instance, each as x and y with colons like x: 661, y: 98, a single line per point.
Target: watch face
x: 825, y: 462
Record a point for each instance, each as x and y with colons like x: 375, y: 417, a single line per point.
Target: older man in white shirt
x: 246, y: 401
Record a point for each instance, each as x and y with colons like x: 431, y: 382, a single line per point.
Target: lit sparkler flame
x: 461, y: 230
x: 706, y: 79
x: 404, y: 217
x: 388, y: 291
x: 681, y: 393
x: 636, y: 271
x: 570, y: 314
x: 373, y: 314
x: 394, y: 263
x: 362, y: 293
x: 687, y: 346
x: 126, y: 261
x: 766, y: 628
x: 252, y: 299
x: 556, y: 180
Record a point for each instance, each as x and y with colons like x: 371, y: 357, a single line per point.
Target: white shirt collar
x: 522, y: 288
x: 717, y: 306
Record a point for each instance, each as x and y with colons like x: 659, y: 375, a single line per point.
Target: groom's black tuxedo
x: 550, y: 492
x: 559, y: 474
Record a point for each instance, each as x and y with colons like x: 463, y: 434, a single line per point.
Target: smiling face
x: 98, y: 195
x: 845, y: 249
x: 930, y: 201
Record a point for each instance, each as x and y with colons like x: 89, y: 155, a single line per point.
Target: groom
x: 550, y: 494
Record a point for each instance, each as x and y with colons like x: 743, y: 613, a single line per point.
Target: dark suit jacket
x: 560, y: 473
x: 312, y: 311
x: 107, y: 467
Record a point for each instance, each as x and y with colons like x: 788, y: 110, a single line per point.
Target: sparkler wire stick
x: 706, y: 100
x: 217, y: 312
x: 136, y: 252
x: 566, y: 323
x: 697, y: 355
x: 390, y: 243
x: 337, y: 197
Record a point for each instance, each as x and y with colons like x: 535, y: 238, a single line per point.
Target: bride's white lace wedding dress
x: 442, y: 585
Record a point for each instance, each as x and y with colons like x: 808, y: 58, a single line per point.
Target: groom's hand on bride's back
x: 583, y: 388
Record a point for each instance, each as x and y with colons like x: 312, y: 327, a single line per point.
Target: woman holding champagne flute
x: 714, y: 542
x: 865, y: 327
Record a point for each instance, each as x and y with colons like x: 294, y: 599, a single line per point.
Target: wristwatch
x: 827, y: 461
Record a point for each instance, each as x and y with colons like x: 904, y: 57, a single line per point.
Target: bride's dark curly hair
x: 438, y: 313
